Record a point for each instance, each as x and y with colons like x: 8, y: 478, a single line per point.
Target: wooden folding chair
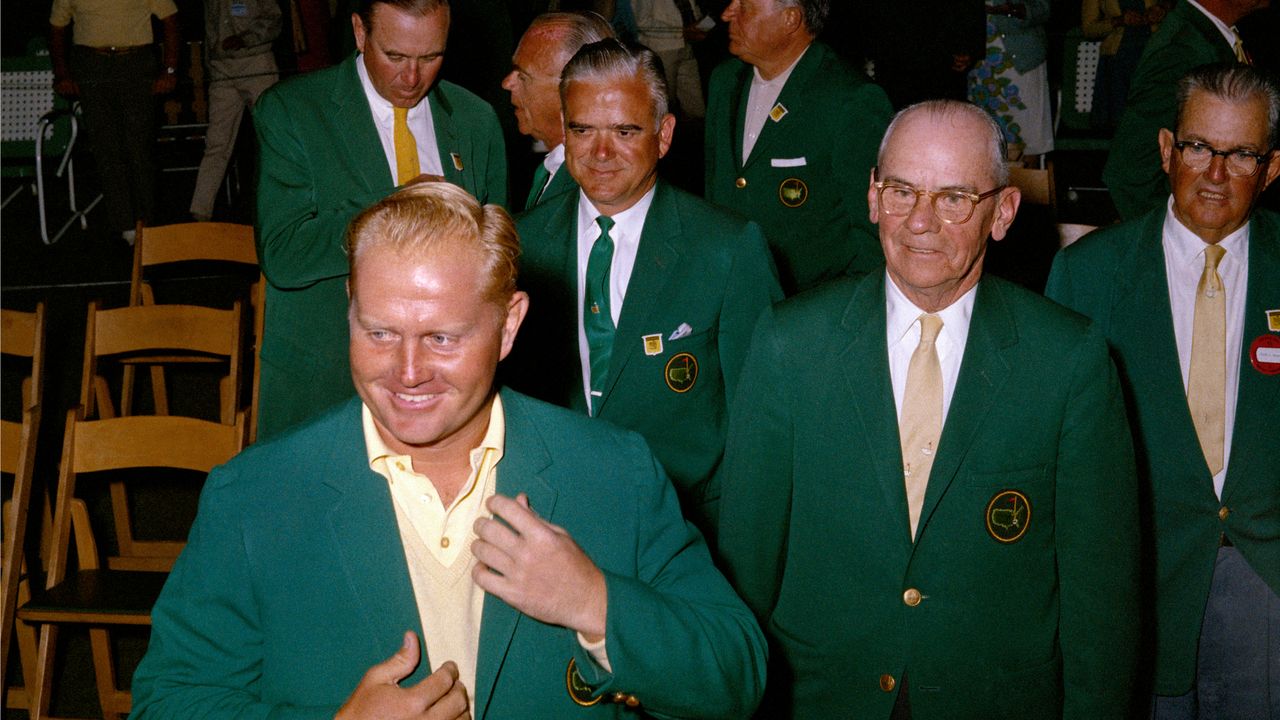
x: 21, y: 335
x: 99, y: 597
x: 161, y: 334
x: 192, y: 244
x: 1036, y: 184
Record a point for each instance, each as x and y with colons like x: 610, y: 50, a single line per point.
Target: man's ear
x: 1007, y: 203
x: 517, y: 308
x: 357, y: 27
x: 1272, y: 170
x: 666, y: 132
x: 1166, y: 149
x: 873, y: 198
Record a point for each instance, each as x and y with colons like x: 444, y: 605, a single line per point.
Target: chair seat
x: 97, y: 597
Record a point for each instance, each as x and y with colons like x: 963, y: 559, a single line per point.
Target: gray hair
x: 940, y: 109
x: 614, y: 59
x: 815, y: 13
x: 571, y: 30
x: 1234, y: 84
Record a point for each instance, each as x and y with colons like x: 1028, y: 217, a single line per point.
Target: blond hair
x: 433, y: 217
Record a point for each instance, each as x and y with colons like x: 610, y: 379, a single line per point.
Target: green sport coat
x: 561, y: 183
x: 697, y: 266
x: 1116, y: 276
x: 294, y: 583
x: 320, y: 164
x: 806, y: 179
x: 1186, y: 39
x: 1018, y: 598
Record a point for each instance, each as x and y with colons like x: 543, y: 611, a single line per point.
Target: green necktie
x: 540, y: 176
x: 596, y: 318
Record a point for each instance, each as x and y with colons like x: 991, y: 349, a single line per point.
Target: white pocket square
x: 680, y: 332
x: 788, y: 162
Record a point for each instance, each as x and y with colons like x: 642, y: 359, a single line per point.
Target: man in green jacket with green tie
x: 333, y: 142
x: 642, y: 296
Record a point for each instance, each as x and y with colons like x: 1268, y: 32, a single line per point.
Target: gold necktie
x: 1207, y: 380
x: 406, y: 147
x: 1241, y: 55
x: 921, y: 422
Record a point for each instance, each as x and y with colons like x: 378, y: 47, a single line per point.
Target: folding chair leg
x: 158, y: 390
x: 40, y: 687
x: 114, y: 702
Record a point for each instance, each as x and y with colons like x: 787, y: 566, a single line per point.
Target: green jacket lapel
x: 865, y: 366
x: 776, y: 132
x: 1258, y: 395
x: 656, y: 262
x: 351, y: 111
x: 525, y: 461
x: 367, y: 537
x: 1143, y: 320
x: 561, y: 231
x: 983, y: 372
x: 453, y: 157
x: 737, y: 119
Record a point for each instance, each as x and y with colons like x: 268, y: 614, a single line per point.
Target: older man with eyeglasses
x: 929, y: 497
x: 1189, y: 299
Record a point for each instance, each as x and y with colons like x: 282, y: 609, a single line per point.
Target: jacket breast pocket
x: 1015, y: 505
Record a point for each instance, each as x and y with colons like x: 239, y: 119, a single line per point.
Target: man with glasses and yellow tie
x: 1189, y: 299
x: 929, y: 496
x: 333, y: 142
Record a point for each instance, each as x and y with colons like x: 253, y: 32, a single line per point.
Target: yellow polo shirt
x: 106, y: 23
x: 437, y: 542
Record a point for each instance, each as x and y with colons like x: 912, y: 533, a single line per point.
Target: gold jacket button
x: 740, y: 182
x: 633, y: 701
x: 887, y: 683
x: 619, y: 697
x: 911, y: 597
x: 1223, y: 512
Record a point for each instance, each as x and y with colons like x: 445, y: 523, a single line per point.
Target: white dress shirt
x: 902, y: 328
x: 418, y: 119
x: 552, y: 163
x: 761, y: 98
x: 628, y: 225
x: 1183, y: 266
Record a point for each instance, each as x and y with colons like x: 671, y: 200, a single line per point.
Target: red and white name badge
x: 1264, y: 353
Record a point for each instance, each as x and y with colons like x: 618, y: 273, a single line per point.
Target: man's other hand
x: 379, y: 696
x: 538, y: 569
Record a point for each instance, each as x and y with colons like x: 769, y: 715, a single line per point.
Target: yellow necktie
x: 1207, y: 380
x: 1241, y: 55
x: 921, y: 423
x: 406, y: 147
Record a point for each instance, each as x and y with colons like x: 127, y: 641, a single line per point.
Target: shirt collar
x: 781, y: 78
x: 1187, y: 248
x: 901, y: 313
x: 627, y: 224
x: 494, y: 438
x: 554, y: 159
